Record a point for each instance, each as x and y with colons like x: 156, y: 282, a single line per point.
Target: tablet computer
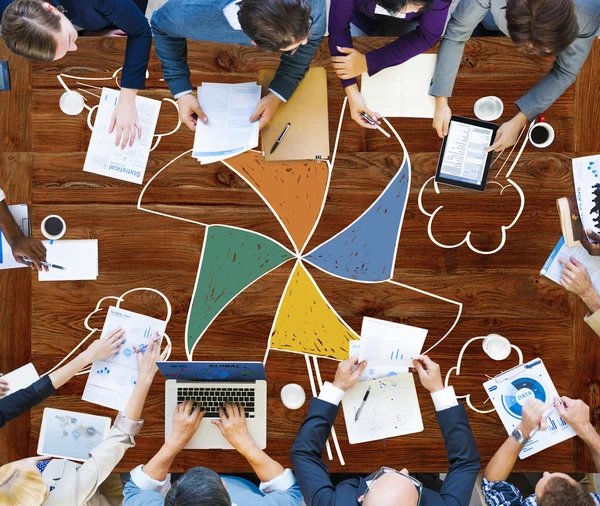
x: 4, y: 76
x: 463, y: 161
x: 71, y: 435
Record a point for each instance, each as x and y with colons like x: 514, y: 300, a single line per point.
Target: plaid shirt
x: 502, y: 493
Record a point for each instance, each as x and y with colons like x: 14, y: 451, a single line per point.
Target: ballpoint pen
x: 144, y: 346
x: 371, y: 121
x: 545, y: 414
x: 280, y: 138
x: 362, y: 404
x: 46, y: 264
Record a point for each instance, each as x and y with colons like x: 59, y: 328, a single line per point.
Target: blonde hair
x: 21, y: 488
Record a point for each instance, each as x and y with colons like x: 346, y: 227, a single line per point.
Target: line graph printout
x: 385, y: 343
x: 111, y: 381
x: 392, y: 409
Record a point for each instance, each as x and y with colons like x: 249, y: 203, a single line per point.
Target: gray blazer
x: 566, y: 66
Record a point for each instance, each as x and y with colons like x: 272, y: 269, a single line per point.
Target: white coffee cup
x: 293, y: 396
x: 71, y: 103
x: 53, y: 218
x: 488, y: 108
x: 496, y: 347
x: 550, y: 131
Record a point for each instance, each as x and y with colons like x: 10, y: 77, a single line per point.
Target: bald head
x: 391, y: 489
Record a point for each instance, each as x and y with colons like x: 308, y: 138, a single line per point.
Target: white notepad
x: 19, y: 214
x: 79, y: 257
x: 392, y: 409
x: 21, y: 378
x: 106, y: 159
x: 403, y: 90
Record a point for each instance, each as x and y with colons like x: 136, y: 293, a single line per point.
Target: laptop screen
x: 213, y: 371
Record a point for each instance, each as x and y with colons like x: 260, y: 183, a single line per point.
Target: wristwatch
x: 519, y: 437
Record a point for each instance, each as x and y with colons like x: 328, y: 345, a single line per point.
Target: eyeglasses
x: 418, y: 485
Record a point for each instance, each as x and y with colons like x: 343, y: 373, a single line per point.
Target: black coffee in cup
x: 539, y: 135
x: 53, y: 226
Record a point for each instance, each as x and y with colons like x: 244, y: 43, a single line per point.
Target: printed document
x: 111, y: 381
x: 19, y: 213
x: 106, y: 159
x: 21, y: 378
x: 586, y: 176
x: 392, y: 409
x: 552, y: 268
x: 228, y: 131
x: 510, y: 390
x: 375, y: 371
x: 78, y: 257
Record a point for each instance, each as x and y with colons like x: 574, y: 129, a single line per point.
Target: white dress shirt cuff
x: 332, y: 395
x: 130, y: 427
x: 277, y: 95
x: 144, y: 482
x: 186, y: 92
x: 283, y: 482
x: 444, y: 399
x: 2, y: 195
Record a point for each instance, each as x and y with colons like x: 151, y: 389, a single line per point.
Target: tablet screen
x: 464, y: 158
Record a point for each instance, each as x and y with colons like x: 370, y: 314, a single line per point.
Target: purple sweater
x: 362, y: 14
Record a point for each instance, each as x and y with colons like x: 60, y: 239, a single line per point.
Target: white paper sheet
x: 586, y: 176
x: 111, y: 381
x: 553, y: 268
x: 79, y: 257
x: 403, y: 90
x: 392, y: 409
x: 21, y: 378
x: 229, y: 131
x: 374, y: 371
x: 387, y: 343
x: 19, y: 213
x: 106, y: 159
x: 510, y: 390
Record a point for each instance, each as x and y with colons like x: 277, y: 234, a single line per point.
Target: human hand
x: 351, y: 65
x: 115, y: 33
x: 148, y: 357
x: 508, y: 133
x: 574, y: 277
x: 233, y: 426
x: 186, y: 420
x: 441, y: 116
x: 105, y: 346
x: 34, y: 249
x: 348, y: 373
x: 190, y: 111
x: 593, y: 248
x: 575, y: 412
x: 357, y: 105
x: 265, y: 110
x: 531, y: 416
x: 429, y: 373
x: 4, y: 388
x: 125, y: 120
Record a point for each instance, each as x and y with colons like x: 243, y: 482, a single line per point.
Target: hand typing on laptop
x: 233, y: 426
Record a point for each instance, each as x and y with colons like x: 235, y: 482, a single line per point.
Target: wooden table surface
x: 41, y: 160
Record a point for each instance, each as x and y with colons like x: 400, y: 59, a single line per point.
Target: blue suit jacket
x: 315, y: 482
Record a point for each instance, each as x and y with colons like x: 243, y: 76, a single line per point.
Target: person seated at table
x: 14, y: 405
x: 553, y: 489
x: 387, y: 487
x: 150, y: 485
x: 293, y: 27
x: 61, y: 482
x: 46, y: 31
x: 564, y: 28
x: 574, y: 278
x: 20, y: 245
x: 366, y: 15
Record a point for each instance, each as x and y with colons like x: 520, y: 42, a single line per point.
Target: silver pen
x: 362, y: 404
x: 45, y: 264
x: 371, y: 121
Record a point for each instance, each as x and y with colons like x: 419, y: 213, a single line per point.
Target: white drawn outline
x: 457, y: 369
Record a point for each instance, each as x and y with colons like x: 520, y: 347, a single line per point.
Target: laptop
x: 211, y: 384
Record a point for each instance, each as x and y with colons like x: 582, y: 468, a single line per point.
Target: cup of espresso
x: 496, y: 347
x: 53, y: 227
x: 541, y: 135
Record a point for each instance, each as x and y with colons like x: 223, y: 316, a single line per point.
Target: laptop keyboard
x: 211, y: 398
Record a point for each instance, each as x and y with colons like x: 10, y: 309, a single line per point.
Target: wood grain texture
x: 501, y: 293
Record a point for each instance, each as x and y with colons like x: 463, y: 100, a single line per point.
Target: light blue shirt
x: 141, y: 490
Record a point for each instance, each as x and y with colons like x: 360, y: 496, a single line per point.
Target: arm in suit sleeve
x: 14, y: 405
x: 462, y: 454
x: 311, y: 472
